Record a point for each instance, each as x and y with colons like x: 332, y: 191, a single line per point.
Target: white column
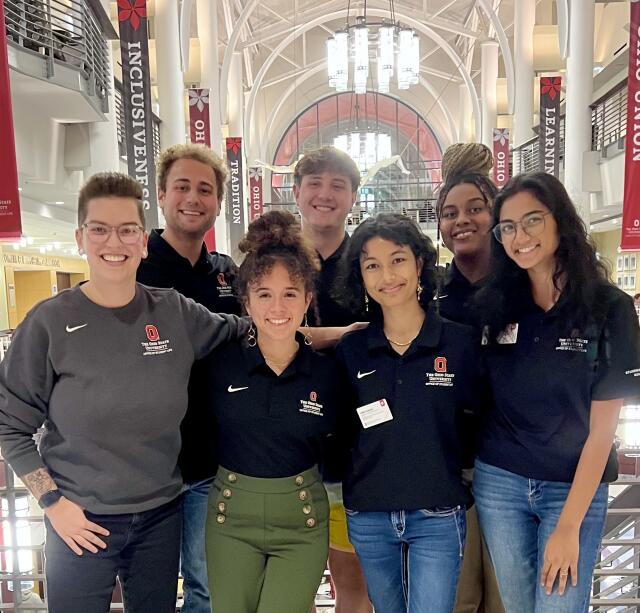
x: 525, y: 18
x: 169, y: 73
x: 488, y: 80
x: 578, y: 98
x: 235, y: 104
x: 210, y: 66
x: 210, y: 78
x: 466, y: 128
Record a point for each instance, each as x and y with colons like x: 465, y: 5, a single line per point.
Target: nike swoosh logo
x: 74, y: 328
x: 232, y: 389
x: 365, y: 374
x: 442, y: 296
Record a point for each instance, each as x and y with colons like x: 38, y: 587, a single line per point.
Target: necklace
x: 397, y: 343
x: 278, y: 363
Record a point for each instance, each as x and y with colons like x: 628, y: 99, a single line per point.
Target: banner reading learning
x: 550, y: 88
x: 10, y: 222
x: 138, y: 118
x: 630, y: 238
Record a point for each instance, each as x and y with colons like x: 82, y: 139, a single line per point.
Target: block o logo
x: 440, y: 365
x: 152, y: 333
x: 313, y: 396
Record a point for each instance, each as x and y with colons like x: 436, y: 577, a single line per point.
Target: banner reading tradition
x: 138, y: 117
x: 630, y: 238
x: 500, y: 156
x: 256, y: 204
x: 549, y: 137
x: 235, y: 195
x: 10, y: 221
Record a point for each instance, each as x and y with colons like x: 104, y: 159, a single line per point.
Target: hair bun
x: 272, y: 230
x: 464, y: 158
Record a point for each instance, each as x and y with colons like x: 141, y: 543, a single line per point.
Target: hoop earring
x: 80, y: 251
x: 251, y: 336
x: 366, y: 301
x: 307, y: 337
x: 419, y: 291
x: 145, y: 253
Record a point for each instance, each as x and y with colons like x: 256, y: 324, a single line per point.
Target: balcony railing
x: 609, y: 118
x: 66, y: 32
x: 526, y: 157
x: 120, y: 129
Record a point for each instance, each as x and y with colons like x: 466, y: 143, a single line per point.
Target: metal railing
x: 609, y: 118
x: 120, y: 128
x: 65, y: 32
x: 526, y: 157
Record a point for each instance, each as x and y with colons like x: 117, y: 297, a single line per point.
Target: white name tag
x: 374, y: 413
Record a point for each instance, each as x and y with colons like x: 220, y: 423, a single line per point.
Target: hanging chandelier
x: 395, y: 49
x: 366, y: 149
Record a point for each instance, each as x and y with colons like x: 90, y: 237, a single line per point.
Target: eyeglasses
x: 128, y: 233
x: 532, y: 224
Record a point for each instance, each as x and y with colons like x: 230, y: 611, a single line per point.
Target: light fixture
x: 395, y: 48
x: 364, y: 148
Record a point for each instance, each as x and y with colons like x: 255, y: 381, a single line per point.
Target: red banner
x: 256, y: 204
x: 500, y: 156
x: 10, y: 222
x: 199, y: 127
x: 630, y: 237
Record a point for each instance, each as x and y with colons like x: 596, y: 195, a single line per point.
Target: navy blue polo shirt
x: 413, y: 461
x: 210, y: 283
x: 456, y: 295
x: 545, y: 379
x: 268, y: 425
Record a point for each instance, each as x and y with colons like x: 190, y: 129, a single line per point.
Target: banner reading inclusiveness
x: 630, y: 239
x: 138, y: 118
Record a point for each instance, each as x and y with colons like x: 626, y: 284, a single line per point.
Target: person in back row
x: 191, y: 182
x: 325, y: 188
x: 104, y: 366
x: 464, y: 215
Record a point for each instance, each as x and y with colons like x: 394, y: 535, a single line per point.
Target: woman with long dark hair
x: 412, y: 376
x: 562, y: 349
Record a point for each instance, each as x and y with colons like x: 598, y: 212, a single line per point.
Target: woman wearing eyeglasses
x: 105, y: 367
x: 562, y: 348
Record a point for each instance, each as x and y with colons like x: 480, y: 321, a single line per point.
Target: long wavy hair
x: 578, y: 274
x: 398, y: 229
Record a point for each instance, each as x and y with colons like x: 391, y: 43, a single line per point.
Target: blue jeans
x: 410, y: 559
x: 517, y: 516
x: 193, y: 561
x: 143, y: 551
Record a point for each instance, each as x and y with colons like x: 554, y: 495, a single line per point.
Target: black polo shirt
x: 210, y: 283
x: 413, y: 461
x: 267, y: 425
x: 331, y: 313
x: 545, y: 379
x: 456, y: 295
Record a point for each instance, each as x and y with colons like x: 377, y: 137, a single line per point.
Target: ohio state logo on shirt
x: 154, y: 346
x: 221, y: 279
x: 439, y: 377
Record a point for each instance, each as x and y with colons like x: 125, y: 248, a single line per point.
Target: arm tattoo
x: 39, y: 481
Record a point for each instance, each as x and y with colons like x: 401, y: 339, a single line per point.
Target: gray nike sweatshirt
x: 110, y: 386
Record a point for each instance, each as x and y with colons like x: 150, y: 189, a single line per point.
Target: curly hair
x: 576, y: 262
x: 399, y: 229
x: 190, y: 151
x: 276, y: 238
x: 466, y: 157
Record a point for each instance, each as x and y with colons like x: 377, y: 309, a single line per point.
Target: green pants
x: 267, y: 542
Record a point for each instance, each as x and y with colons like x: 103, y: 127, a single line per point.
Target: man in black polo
x: 326, y: 182
x: 191, y: 180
